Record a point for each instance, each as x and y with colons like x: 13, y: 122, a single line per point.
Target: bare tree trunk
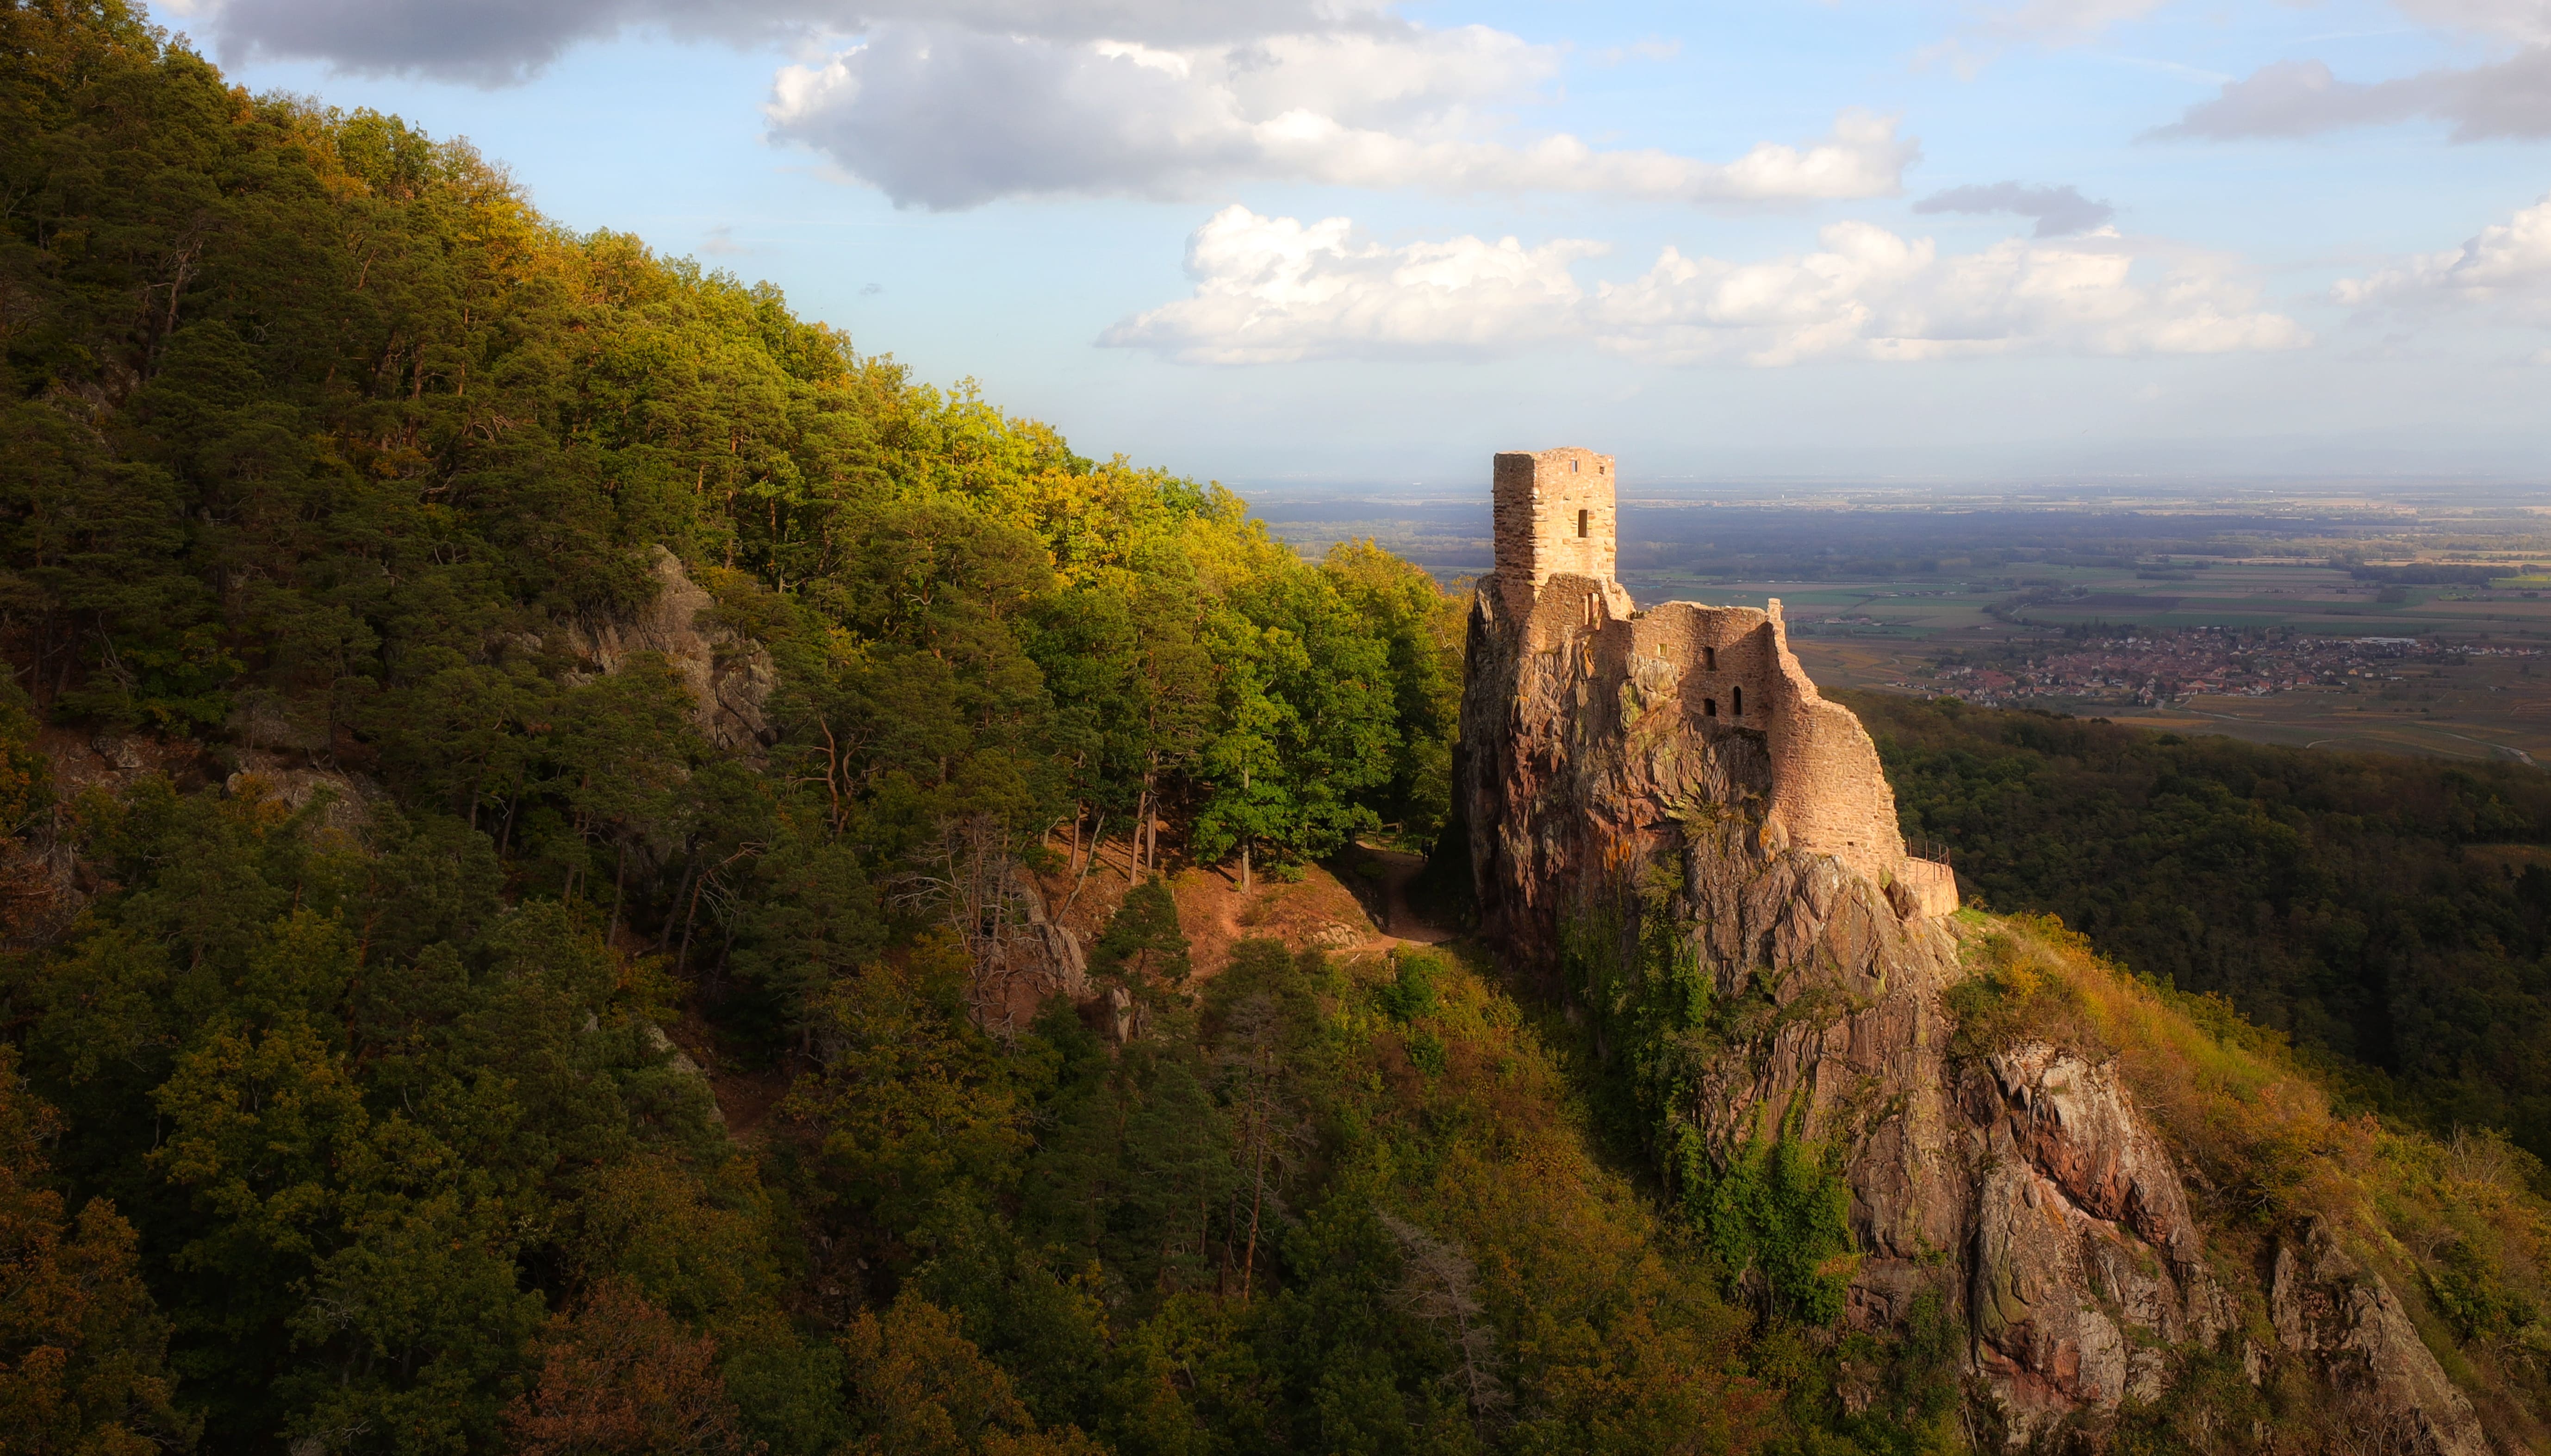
x: 1257, y: 1198
x: 619, y: 889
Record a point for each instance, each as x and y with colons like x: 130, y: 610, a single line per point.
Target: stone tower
x: 1554, y: 515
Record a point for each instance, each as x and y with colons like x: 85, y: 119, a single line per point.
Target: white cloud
x: 2057, y: 210
x: 2505, y: 272
x: 951, y: 103
x: 2066, y: 22
x: 2048, y: 22
x: 1869, y: 293
x: 948, y: 117
x: 1271, y: 290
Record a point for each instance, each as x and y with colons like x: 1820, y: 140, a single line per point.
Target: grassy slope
x: 1479, y: 1115
x: 2456, y: 1227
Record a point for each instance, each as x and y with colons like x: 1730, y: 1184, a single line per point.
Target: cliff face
x: 1663, y: 796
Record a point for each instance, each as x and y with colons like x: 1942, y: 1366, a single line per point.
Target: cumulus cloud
x: 951, y: 103
x: 1271, y: 290
x: 1274, y: 290
x: 2505, y: 272
x: 2301, y: 98
x: 2507, y: 97
x: 497, y: 42
x: 947, y: 117
x: 2058, y: 211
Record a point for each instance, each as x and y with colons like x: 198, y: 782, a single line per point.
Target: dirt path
x: 1400, y: 924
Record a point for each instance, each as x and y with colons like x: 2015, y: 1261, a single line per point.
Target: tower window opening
x: 1710, y: 707
x: 1580, y: 523
x: 1739, y: 705
x: 1709, y: 660
x: 1571, y: 467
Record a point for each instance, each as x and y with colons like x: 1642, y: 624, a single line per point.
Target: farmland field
x: 1912, y: 591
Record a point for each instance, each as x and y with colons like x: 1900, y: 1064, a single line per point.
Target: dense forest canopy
x: 328, y: 455
x: 2391, y: 914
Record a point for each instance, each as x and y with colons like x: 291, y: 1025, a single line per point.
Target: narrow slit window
x: 1580, y: 523
x: 1710, y: 707
x: 1709, y: 660
x: 1737, y: 708
x: 1571, y: 467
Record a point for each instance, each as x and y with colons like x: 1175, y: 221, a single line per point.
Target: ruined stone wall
x: 1554, y: 515
x: 1728, y: 668
x: 1734, y: 671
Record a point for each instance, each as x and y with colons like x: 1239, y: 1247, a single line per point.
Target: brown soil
x: 1358, y: 903
x: 1365, y: 913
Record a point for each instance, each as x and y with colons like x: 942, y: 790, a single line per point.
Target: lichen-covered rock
x: 2078, y: 1124
x: 2086, y: 1265
x: 730, y: 676
x: 2340, y: 1315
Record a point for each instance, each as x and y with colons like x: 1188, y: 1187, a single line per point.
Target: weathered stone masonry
x: 1554, y: 515
x: 1723, y: 669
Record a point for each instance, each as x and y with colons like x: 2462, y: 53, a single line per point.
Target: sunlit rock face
x: 1663, y: 811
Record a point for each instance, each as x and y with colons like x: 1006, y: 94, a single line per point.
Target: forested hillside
x: 338, y: 1107
x: 524, y: 771
x: 2389, y: 913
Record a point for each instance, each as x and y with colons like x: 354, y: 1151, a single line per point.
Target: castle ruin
x: 1723, y: 673
x: 1672, y: 829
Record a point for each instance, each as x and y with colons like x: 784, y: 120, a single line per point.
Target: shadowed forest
x: 2391, y: 915
x: 437, y: 1015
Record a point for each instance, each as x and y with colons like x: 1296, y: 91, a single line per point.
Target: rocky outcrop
x: 730, y: 676
x: 2085, y: 1267
x: 2345, y: 1321
x: 1670, y: 776
x: 346, y: 801
x: 1661, y: 794
x: 1048, y: 949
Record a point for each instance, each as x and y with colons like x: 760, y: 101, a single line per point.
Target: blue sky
x: 1337, y: 240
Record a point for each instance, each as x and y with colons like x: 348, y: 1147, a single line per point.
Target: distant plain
x: 1887, y: 586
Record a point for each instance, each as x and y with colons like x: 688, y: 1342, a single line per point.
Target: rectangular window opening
x: 1580, y: 523
x: 1710, y: 659
x: 1710, y: 707
x: 1737, y: 709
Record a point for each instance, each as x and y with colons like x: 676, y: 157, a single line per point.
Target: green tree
x: 82, y: 1350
